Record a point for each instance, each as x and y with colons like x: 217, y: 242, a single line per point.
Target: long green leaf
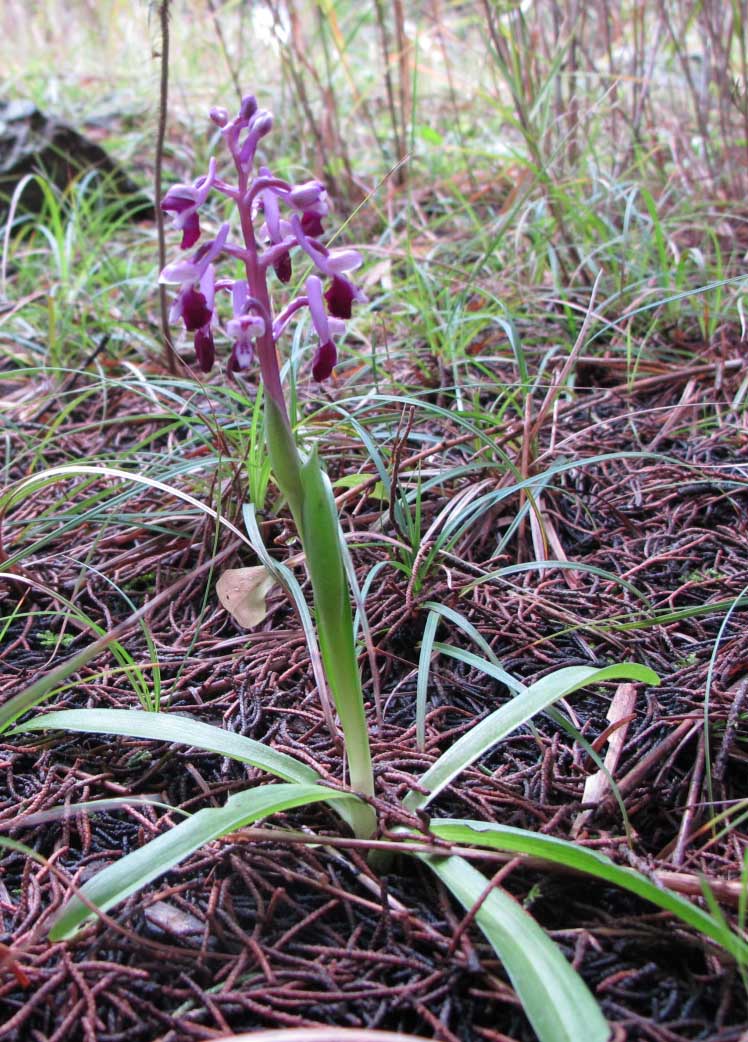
x: 182, y: 730
x: 321, y: 537
x: 556, y: 1000
x: 134, y: 871
x: 511, y: 716
x: 593, y: 863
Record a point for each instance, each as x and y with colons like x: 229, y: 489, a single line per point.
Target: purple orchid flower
x: 205, y: 350
x: 194, y: 303
x: 292, y: 216
x: 326, y: 356
x: 342, y: 292
x: 244, y: 327
x: 183, y: 201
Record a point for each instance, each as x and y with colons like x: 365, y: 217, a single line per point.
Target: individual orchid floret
x: 205, y: 351
x: 310, y: 198
x: 194, y: 302
x: 342, y: 292
x: 260, y: 124
x: 219, y: 116
x: 326, y: 355
x: 244, y: 327
x: 192, y: 270
x: 329, y: 262
x: 269, y: 201
x: 183, y: 201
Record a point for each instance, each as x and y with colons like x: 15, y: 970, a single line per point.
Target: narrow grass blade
x: 542, y: 566
x: 424, y: 661
x: 134, y: 871
x: 68, y: 810
x: 591, y: 862
x: 490, y: 668
x: 182, y: 730
x: 512, y: 715
x: 424, y: 668
x: 45, y: 686
x: 557, y: 1002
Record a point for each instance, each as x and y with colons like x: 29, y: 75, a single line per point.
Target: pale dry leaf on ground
x: 243, y: 592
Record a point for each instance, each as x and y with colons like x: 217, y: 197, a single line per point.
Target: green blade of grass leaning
x: 441, y: 611
x: 493, y: 669
x: 68, y: 810
x: 134, y: 871
x: 557, y: 1002
x: 592, y: 863
x: 543, y: 693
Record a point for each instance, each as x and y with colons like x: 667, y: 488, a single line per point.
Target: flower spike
x: 277, y: 217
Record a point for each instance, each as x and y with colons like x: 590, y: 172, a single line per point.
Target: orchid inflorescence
x: 252, y: 327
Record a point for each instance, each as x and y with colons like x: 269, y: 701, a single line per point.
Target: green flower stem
x: 284, y: 458
x: 307, y: 490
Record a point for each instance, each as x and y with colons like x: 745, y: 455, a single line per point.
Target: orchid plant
x: 278, y: 221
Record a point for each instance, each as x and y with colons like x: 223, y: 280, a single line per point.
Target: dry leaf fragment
x: 242, y: 592
x: 620, y: 715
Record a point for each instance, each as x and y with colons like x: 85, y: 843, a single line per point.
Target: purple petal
x: 248, y: 107
x: 205, y: 349
x: 178, y: 199
x: 340, y: 297
x: 208, y: 286
x: 239, y: 297
x: 309, y: 196
x: 194, y: 310
x: 241, y: 357
x: 324, y: 361
x: 344, y: 260
x: 317, y: 308
x: 190, y: 231
x: 311, y: 224
x: 282, y: 267
x: 180, y: 272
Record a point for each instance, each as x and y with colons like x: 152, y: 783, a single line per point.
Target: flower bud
x: 262, y: 124
x: 248, y: 108
x: 219, y: 116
